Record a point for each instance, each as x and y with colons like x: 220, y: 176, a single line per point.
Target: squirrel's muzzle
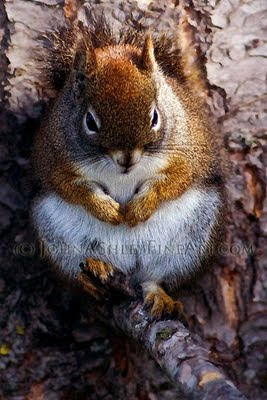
x: 126, y: 159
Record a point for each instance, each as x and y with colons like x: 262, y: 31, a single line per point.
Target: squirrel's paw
x: 139, y: 209
x: 108, y: 210
x: 159, y: 302
x: 99, y: 271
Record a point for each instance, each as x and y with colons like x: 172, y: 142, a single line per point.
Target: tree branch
x: 181, y: 354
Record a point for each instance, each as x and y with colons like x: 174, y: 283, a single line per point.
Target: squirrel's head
x: 112, y: 105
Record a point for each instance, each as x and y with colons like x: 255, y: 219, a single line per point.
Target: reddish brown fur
x: 120, y: 84
x: 120, y: 73
x: 114, y: 75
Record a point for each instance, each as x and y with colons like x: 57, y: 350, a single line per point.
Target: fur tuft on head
x: 148, y: 56
x: 84, y: 61
x: 64, y: 44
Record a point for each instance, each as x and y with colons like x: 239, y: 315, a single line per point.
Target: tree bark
x: 182, y: 354
x: 50, y: 346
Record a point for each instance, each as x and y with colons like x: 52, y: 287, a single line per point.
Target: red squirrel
x: 129, y: 162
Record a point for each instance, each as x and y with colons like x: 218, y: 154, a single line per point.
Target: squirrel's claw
x: 160, y: 303
x: 99, y: 271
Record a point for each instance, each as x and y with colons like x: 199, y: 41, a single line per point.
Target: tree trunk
x: 51, y: 346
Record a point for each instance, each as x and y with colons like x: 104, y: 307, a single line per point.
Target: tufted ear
x: 148, y: 57
x: 85, y: 59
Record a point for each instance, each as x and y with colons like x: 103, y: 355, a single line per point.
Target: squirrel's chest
x: 156, y: 245
x: 121, y: 187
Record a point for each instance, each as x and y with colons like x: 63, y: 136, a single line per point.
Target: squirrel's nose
x: 126, y: 159
x: 126, y: 163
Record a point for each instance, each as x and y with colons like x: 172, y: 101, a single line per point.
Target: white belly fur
x: 179, y: 224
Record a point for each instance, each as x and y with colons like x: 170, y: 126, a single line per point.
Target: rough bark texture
x: 51, y: 347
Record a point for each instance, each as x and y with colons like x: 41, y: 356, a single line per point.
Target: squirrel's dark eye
x: 91, y: 123
x: 155, y: 119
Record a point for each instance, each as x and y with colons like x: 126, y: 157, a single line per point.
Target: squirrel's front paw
x: 108, y: 210
x: 140, y: 209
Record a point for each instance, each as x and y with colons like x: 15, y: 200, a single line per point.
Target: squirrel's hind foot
x: 93, y: 275
x: 159, y: 303
x: 99, y: 269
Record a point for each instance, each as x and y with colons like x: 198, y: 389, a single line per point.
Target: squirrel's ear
x: 84, y: 59
x: 148, y: 57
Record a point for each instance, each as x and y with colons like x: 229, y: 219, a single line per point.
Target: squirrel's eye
x: 90, y: 123
x: 155, y: 119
